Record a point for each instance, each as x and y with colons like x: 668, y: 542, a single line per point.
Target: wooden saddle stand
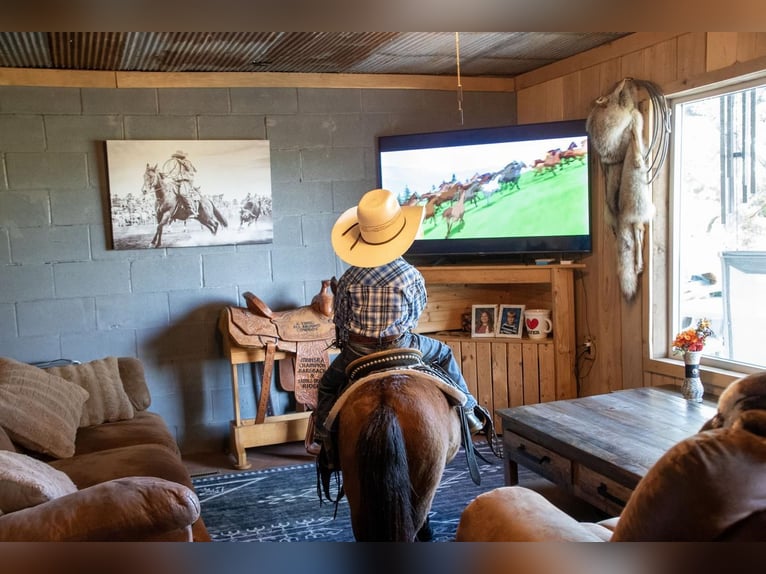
x: 300, y: 340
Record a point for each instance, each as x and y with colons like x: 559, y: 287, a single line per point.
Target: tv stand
x: 502, y: 372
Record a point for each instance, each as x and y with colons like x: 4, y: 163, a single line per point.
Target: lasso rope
x: 657, y: 150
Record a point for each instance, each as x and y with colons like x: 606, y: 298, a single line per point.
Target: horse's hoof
x: 426, y: 533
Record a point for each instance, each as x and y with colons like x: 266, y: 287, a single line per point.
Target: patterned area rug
x: 281, y: 504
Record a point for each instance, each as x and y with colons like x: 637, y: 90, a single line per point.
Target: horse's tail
x: 382, y: 460
x: 219, y: 216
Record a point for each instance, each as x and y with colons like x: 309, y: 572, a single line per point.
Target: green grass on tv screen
x: 549, y: 203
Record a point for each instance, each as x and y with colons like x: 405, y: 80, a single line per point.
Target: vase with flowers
x: 690, y: 343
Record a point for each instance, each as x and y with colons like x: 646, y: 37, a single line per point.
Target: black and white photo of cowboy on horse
x: 212, y: 183
x: 182, y: 170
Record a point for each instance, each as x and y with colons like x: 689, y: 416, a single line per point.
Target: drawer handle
x: 603, y: 490
x: 523, y: 452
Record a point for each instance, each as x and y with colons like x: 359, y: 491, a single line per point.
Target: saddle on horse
x: 375, y: 366
x: 307, y: 333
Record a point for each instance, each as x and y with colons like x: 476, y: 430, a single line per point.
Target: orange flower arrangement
x: 693, y: 338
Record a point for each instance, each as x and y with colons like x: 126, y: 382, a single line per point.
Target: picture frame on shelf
x: 483, y: 320
x: 510, y: 321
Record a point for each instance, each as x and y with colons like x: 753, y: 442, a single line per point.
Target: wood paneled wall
x: 678, y: 62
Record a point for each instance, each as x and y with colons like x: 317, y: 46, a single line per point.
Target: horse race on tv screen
x: 532, y: 188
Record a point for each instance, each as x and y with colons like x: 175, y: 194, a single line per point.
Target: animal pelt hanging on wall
x: 615, y: 125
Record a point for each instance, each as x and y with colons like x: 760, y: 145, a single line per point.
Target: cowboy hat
x: 377, y: 231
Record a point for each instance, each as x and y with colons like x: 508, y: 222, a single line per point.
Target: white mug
x: 538, y: 323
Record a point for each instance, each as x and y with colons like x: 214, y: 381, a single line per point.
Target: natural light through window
x: 720, y: 220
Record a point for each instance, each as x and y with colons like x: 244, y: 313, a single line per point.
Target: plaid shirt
x: 379, y: 301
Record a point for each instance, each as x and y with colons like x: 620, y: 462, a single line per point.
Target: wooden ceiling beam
x: 101, y: 79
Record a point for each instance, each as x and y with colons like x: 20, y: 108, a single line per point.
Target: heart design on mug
x: 532, y: 323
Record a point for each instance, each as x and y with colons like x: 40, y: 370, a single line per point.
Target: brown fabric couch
x: 709, y: 487
x: 120, y: 477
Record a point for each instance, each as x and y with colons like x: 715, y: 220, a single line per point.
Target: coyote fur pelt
x: 615, y: 126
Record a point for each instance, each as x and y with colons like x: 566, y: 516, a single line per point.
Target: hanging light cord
x: 459, y: 85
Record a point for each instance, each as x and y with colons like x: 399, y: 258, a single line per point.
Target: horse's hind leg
x: 163, y: 221
x: 157, y: 239
x: 426, y: 533
x: 211, y: 225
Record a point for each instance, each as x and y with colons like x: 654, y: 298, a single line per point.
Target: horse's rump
x: 395, y: 436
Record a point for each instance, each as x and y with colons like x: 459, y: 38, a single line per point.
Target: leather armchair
x: 708, y: 487
x: 137, y: 508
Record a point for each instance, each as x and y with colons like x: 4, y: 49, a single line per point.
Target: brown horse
x: 396, y: 432
x: 170, y: 205
x: 549, y: 164
x: 455, y: 213
x: 573, y: 152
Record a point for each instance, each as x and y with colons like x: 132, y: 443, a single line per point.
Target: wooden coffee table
x: 599, y: 447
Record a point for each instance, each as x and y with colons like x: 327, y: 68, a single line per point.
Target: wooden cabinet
x: 541, y: 460
x: 600, y: 491
x: 503, y: 372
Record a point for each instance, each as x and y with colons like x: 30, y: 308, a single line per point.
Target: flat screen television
x: 513, y: 193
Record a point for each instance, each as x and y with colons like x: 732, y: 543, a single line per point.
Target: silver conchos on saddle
x: 398, y: 358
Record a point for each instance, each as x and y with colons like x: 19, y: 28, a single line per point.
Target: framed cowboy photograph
x: 510, y: 321
x: 483, y: 320
x: 189, y: 193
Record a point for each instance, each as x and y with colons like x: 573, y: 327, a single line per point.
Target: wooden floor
x: 259, y: 458
x: 287, y: 454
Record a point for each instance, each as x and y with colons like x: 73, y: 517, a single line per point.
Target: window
x: 719, y: 221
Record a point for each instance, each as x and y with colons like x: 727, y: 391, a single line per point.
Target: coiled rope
x: 657, y: 150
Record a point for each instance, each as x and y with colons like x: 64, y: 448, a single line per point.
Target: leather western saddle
x: 306, y: 333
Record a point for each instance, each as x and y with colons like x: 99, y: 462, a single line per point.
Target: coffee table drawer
x: 537, y: 458
x: 600, y: 491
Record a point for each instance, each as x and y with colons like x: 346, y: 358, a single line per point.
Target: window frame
x: 662, y: 303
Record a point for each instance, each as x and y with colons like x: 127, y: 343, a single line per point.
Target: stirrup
x: 475, y: 426
x: 310, y: 444
x: 495, y: 444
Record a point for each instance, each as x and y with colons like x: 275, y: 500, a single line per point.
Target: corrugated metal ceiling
x: 428, y: 53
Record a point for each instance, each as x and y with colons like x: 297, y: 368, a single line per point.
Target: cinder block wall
x: 65, y: 294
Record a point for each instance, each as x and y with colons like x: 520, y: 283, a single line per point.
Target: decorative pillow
x: 40, y: 411
x: 26, y: 481
x: 108, y: 400
x: 134, y: 382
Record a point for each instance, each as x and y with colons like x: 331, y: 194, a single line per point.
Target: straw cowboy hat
x: 377, y: 231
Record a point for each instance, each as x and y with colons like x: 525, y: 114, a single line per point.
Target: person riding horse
x: 377, y: 303
x: 182, y: 170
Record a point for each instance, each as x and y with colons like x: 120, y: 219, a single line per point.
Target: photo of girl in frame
x: 483, y: 320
